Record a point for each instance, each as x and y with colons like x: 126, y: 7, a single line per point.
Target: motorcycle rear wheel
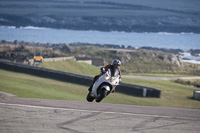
x: 89, y: 97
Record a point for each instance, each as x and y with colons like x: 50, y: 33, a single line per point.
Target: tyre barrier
x: 129, y: 89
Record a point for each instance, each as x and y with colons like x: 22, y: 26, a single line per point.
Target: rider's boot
x: 113, y: 91
x: 90, y: 89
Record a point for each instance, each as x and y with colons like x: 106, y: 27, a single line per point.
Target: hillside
x: 140, y: 60
x: 133, y: 60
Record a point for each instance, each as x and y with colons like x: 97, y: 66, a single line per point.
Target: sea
x: 183, y: 41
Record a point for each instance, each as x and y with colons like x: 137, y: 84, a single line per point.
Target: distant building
x: 92, y: 61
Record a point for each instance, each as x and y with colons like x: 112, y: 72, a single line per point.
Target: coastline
x: 133, y: 39
x: 186, y: 56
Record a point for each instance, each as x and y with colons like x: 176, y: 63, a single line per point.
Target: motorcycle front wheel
x: 101, y: 95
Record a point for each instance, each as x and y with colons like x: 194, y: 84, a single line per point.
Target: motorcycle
x: 104, y: 85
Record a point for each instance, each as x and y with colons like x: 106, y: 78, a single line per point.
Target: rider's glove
x: 120, y: 79
x: 103, y: 70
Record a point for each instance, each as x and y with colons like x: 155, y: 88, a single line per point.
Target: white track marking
x: 93, y: 111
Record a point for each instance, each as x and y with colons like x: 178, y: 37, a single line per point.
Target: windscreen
x: 114, y: 72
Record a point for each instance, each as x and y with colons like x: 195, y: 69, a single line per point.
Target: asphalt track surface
x: 26, y: 115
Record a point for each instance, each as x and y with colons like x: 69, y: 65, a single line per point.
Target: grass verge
x: 73, y: 67
x: 28, y: 86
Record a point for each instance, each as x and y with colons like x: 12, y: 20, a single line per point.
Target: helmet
x: 117, y: 62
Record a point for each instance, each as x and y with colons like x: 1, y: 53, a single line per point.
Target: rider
x: 116, y: 64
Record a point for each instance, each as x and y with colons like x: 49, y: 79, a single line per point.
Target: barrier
x: 197, y: 95
x: 129, y: 89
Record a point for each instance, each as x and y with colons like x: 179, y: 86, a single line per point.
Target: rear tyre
x: 89, y: 97
x: 101, y: 95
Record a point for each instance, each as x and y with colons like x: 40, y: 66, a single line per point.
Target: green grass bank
x: 28, y: 86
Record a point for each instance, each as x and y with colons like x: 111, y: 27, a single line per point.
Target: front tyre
x: 89, y: 97
x: 102, y: 94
